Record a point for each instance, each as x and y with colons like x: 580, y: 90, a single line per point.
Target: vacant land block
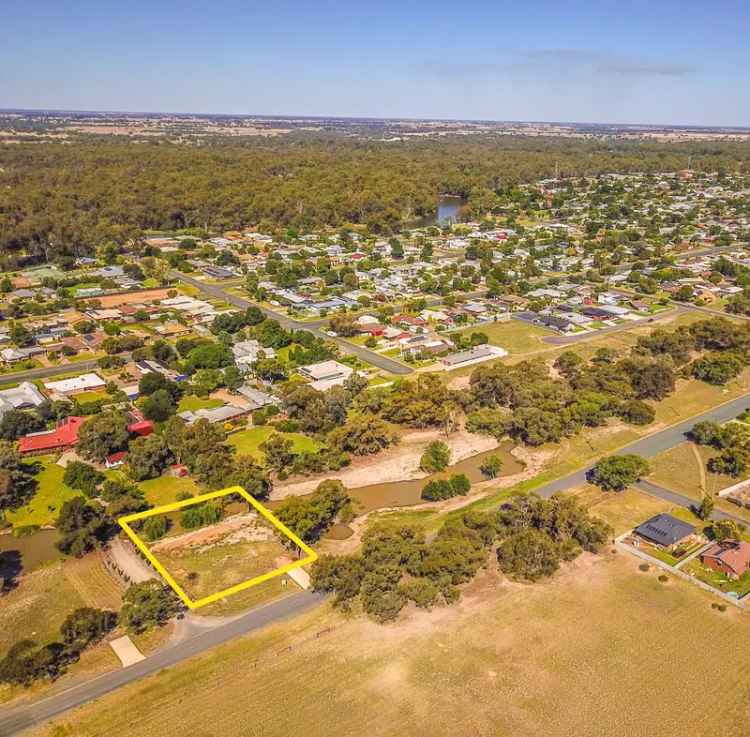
x: 596, y: 652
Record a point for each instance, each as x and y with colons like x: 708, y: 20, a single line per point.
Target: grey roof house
x: 664, y: 530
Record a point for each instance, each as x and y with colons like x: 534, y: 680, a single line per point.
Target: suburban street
x: 376, y: 359
x: 653, y: 445
x: 18, y: 719
x: 46, y: 372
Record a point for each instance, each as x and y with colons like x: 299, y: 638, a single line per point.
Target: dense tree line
x: 398, y: 564
x: 69, y: 198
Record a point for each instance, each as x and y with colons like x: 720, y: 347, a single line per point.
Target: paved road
x: 376, y: 359
x: 18, y: 719
x: 680, y: 500
x: 43, y: 373
x: 593, y: 334
x: 653, y: 445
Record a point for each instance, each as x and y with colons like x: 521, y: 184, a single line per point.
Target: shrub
x: 200, y: 515
x: 436, y: 457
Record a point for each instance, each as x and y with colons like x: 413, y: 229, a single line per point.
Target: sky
x: 631, y: 61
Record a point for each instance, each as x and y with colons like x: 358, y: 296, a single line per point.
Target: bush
x: 148, y: 604
x: 491, y: 466
x: 436, y: 457
x: 422, y: 591
x: 200, y: 515
x: 439, y: 489
x: 155, y: 527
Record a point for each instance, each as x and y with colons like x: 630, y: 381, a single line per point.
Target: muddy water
x: 35, y: 550
x: 408, y: 493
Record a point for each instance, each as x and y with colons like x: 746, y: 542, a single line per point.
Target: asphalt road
x: 376, y: 359
x: 44, y: 373
x: 653, y: 445
x: 16, y: 720
x: 593, y: 334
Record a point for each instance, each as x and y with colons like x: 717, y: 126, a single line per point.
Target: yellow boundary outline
x: 124, y: 522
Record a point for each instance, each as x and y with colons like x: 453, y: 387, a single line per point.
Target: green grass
x: 84, y: 397
x: 165, y: 489
x: 248, y: 441
x: 719, y: 581
x: 191, y: 403
x: 515, y: 336
x: 50, y: 495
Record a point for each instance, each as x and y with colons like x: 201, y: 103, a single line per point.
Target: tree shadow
x: 11, y: 565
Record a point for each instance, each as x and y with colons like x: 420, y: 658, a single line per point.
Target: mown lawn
x: 719, y: 581
x: 165, y: 489
x: 248, y: 441
x: 50, y: 495
x: 191, y: 403
x: 515, y: 336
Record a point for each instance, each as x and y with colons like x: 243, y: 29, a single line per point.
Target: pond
x: 447, y: 211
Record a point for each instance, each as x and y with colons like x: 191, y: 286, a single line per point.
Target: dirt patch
x: 400, y: 463
x: 132, y: 298
x: 237, y: 528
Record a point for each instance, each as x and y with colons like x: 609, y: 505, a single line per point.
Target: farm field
x: 507, y: 660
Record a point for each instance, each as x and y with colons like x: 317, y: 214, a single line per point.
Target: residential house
x: 664, y: 531
x: 730, y: 557
x: 326, y: 374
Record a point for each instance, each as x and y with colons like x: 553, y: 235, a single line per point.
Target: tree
x: 362, y: 435
x: 311, y: 515
x: 528, y: 554
x: 81, y: 527
x: 705, y: 433
x: 727, y: 529
x: 491, y: 466
x: 148, y: 604
x: 637, y: 412
x: 278, y: 451
x: 85, y: 626
x: 102, y: 435
x: 718, y: 368
x: 16, y: 484
x: 614, y: 473
x: 250, y: 476
x: 706, y: 507
x: 155, y: 527
x: 436, y: 457
x: 214, y: 467
x: 200, y: 515
x: 148, y: 457
x: 159, y: 406
x: 82, y: 476
x: 15, y: 424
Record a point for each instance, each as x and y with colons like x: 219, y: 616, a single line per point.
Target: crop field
x: 595, y: 652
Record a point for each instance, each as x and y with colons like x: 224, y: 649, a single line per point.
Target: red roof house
x: 730, y: 557
x: 63, y: 437
x: 141, y: 428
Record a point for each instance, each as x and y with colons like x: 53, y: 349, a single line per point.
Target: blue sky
x: 661, y: 61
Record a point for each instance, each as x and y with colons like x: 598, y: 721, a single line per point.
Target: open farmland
x: 509, y: 660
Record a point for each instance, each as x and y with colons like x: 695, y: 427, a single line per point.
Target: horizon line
x: 684, y: 126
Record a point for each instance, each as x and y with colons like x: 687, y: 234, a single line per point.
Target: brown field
x: 132, y: 298
x: 596, y: 652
